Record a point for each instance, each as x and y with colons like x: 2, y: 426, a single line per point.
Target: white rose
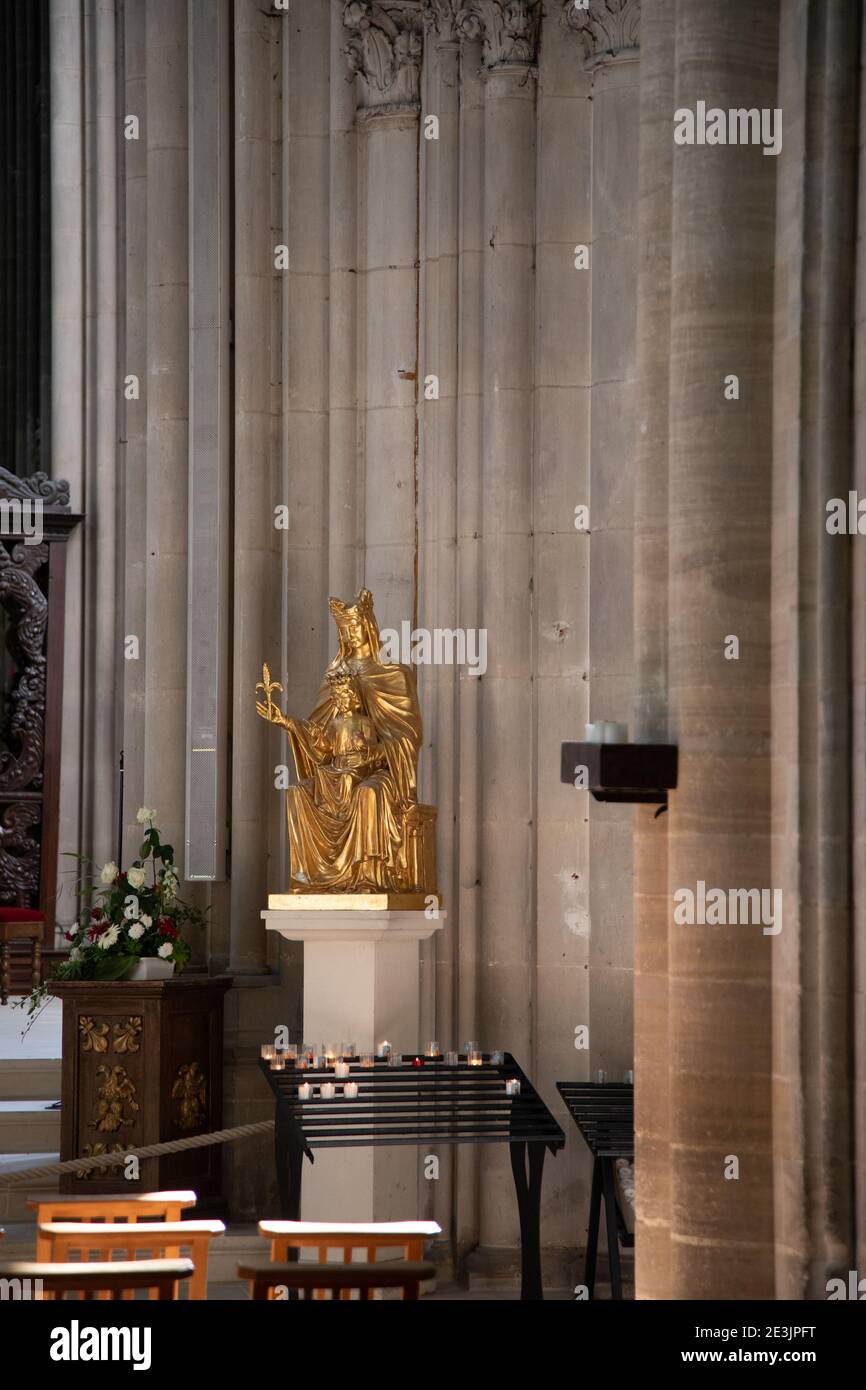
x: 143, y: 815
x: 145, y: 920
x: 108, y: 938
x: 136, y: 930
x: 135, y: 877
x: 109, y: 872
x: 166, y: 949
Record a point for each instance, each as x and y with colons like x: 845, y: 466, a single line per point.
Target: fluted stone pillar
x: 132, y: 360
x: 384, y: 46
x: 67, y: 383
x: 439, y: 217
x: 607, y: 37
x: 858, y: 709
x: 652, y: 399
x: 345, y: 524
x: 256, y: 567
x: 561, y: 483
x: 816, y: 769
x: 470, y: 442
x: 507, y: 801
x: 309, y: 333
x: 719, y: 567
x: 164, y: 646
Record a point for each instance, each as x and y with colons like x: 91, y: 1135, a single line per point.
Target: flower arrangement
x: 133, y: 913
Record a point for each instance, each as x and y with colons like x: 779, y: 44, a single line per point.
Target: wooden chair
x: 348, y: 1236
x: 116, y: 1279
x: 107, y: 1238
x: 342, y: 1279
x: 19, y: 924
x: 146, y: 1206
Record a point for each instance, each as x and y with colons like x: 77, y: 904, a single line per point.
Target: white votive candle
x: 452, y: 1058
x: 384, y: 1049
x: 350, y: 1090
x: 305, y: 1091
x: 512, y: 1086
x: 341, y: 1070
x: 327, y: 1090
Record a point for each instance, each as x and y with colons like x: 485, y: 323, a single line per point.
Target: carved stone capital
x: 385, y: 52
x: 608, y: 29
x: 440, y: 19
x: 509, y: 29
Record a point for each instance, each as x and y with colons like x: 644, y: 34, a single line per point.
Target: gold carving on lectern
x: 94, y: 1036
x: 188, y: 1094
x: 115, y: 1096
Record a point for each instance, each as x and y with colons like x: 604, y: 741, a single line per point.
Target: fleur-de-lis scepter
x: 267, y: 685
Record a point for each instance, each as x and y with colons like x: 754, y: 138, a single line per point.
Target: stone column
x: 858, y: 710
x: 608, y: 36
x: 384, y: 50
x: 652, y: 392
x: 470, y: 421
x: 438, y: 685
x: 256, y: 569
x: 815, y: 779
x: 507, y: 800
x: 561, y: 598
x: 132, y: 360
x: 720, y: 511
x: 345, y: 570
x: 67, y: 387
x: 164, y: 646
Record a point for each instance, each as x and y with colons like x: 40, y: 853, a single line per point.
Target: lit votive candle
x: 350, y: 1090
x: 278, y: 1064
x: 290, y: 1052
x: 434, y: 1050
x: 269, y: 1052
x: 474, y: 1058
x: 317, y: 1061
x: 305, y: 1091
x: 347, y: 1049
x: 367, y: 1060
x: 341, y: 1070
x: 512, y: 1086
x: 384, y: 1049
x: 327, y: 1090
x: 452, y: 1058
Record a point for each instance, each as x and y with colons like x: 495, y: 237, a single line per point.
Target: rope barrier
x: 119, y: 1157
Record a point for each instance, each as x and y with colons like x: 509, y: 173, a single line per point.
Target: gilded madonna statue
x: 354, y: 821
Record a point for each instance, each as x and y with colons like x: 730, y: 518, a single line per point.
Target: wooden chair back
x: 267, y: 1281
x: 348, y: 1237
x: 107, y: 1239
x: 145, y: 1206
x: 115, y: 1280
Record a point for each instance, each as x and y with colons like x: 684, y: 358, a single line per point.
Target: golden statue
x: 355, y: 825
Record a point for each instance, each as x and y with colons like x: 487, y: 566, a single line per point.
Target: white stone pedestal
x: 361, y: 985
